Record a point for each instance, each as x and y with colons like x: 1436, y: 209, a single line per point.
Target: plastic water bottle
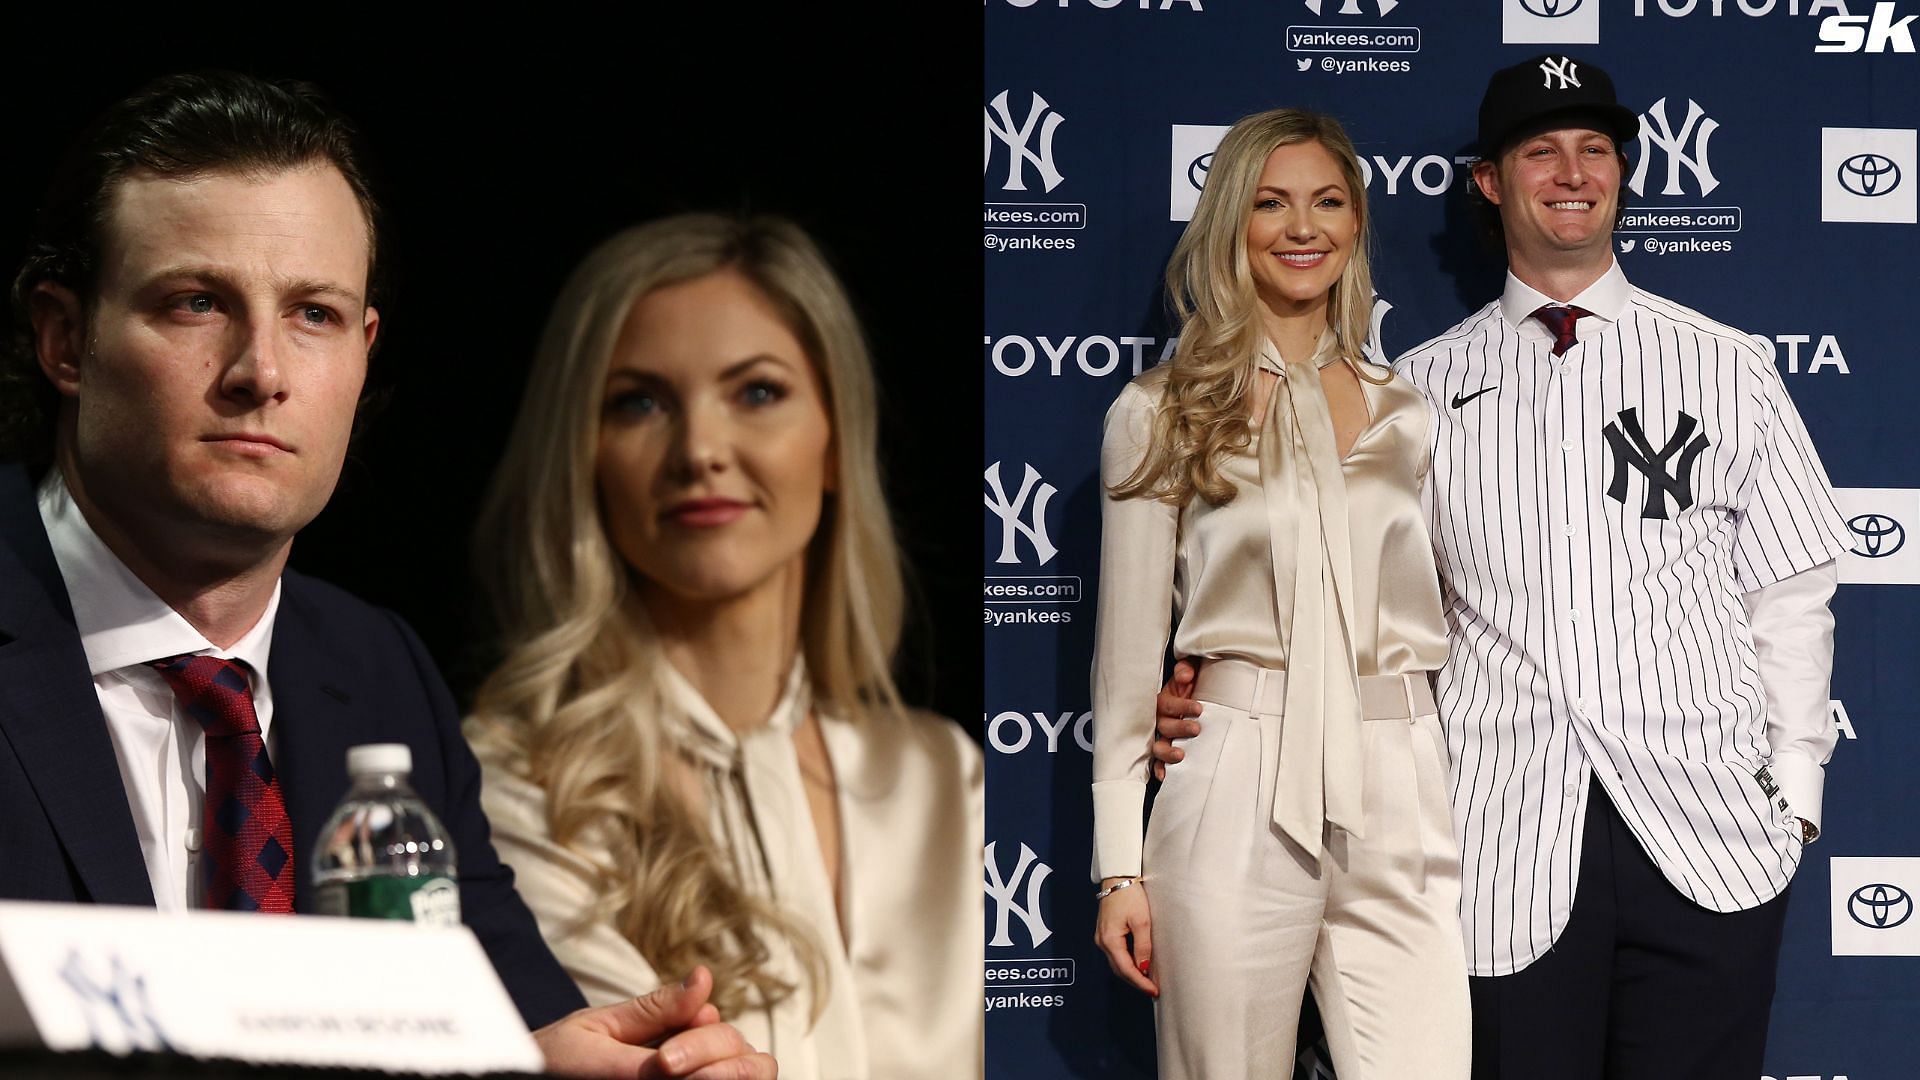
x: 383, y: 855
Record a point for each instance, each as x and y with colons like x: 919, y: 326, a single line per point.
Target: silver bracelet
x: 1123, y: 883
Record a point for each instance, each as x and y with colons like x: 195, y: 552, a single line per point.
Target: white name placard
x: 321, y: 991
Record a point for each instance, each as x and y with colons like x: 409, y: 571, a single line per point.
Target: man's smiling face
x: 1558, y: 192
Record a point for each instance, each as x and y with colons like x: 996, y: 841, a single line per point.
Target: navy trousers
x: 1643, y: 984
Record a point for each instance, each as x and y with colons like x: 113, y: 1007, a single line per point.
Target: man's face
x: 224, y: 355
x: 1557, y: 191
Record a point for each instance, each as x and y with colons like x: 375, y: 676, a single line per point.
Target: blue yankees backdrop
x: 1772, y: 187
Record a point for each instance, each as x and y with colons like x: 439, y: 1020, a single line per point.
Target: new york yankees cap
x: 1524, y: 96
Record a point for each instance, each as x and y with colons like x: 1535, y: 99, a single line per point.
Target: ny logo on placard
x: 119, y: 1014
x: 1041, y: 117
x: 1007, y: 904
x: 1655, y: 130
x: 1034, y: 527
x: 1629, y: 444
x: 1561, y: 69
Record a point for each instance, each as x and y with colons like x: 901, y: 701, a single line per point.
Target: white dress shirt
x: 162, y: 752
x: 1654, y: 619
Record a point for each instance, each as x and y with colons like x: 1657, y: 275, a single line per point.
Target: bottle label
x: 430, y: 900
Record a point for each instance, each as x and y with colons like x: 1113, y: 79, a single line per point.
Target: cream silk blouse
x: 1309, y: 540
x: 904, y: 967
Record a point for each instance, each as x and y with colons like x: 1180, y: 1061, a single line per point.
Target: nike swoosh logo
x: 1459, y: 401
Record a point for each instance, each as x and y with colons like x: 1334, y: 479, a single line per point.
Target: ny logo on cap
x: 1562, y: 68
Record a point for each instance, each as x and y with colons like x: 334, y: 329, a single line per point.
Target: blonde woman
x: 1263, y: 502
x: 695, y: 751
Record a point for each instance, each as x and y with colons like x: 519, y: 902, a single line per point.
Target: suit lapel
x: 51, y: 715
x: 315, y: 718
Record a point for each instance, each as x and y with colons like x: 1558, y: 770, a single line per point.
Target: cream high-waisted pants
x: 1243, y: 917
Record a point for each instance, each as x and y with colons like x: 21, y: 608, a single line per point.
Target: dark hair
x: 1486, y: 216
x: 177, y: 126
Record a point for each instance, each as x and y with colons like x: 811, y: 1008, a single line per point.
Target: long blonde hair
x: 1203, y: 415
x: 574, y: 706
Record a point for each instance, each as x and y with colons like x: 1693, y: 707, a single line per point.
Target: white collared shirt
x: 162, y: 753
x: 1613, y: 600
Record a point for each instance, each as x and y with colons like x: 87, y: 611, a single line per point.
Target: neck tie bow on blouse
x: 1320, y: 773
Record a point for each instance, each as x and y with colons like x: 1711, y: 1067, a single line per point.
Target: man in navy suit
x: 200, y: 299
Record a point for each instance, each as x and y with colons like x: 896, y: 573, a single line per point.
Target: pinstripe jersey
x: 1596, y: 518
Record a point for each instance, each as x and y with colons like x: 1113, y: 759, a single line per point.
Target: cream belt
x: 1262, y: 692
x: 1239, y: 684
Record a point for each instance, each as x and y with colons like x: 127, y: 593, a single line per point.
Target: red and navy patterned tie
x: 246, y: 847
x: 1560, y: 320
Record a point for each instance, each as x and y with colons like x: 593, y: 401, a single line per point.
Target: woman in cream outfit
x: 1263, y: 490
x: 695, y: 752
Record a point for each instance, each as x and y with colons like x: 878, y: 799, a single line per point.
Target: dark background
x: 504, y: 152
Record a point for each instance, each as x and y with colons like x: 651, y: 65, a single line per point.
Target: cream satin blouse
x: 1309, y: 543
x: 904, y: 967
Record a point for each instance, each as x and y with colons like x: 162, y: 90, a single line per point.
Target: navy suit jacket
x: 344, y: 672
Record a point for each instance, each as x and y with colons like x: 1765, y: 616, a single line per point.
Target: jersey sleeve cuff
x: 1802, y: 783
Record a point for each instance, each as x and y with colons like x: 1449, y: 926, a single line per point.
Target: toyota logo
x: 1550, y: 9
x: 1869, y: 174
x: 1880, y: 906
x: 1880, y: 536
x: 1197, y: 172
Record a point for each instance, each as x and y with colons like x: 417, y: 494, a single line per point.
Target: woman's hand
x: 1123, y: 915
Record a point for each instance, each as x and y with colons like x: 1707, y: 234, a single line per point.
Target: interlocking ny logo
x: 1040, y: 115
x: 1006, y: 905
x: 1559, y: 69
x: 1630, y: 447
x: 1352, y: 7
x: 1655, y: 130
x: 119, y: 1014
x: 1550, y: 9
x: 1034, y: 528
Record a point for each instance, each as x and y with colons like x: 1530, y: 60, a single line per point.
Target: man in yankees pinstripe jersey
x: 1638, y: 546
